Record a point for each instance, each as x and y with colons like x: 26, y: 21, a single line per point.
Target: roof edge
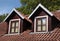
x: 11, y: 13
x: 40, y: 5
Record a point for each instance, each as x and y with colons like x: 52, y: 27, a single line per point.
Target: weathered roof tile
x: 25, y: 36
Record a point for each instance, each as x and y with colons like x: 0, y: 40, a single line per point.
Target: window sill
x: 11, y: 34
x: 39, y: 32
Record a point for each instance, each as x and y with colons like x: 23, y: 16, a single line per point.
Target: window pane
x: 39, y: 28
x: 44, y: 21
x: 13, y: 24
x: 39, y: 22
x: 17, y: 24
x: 12, y: 30
x: 16, y: 30
x: 43, y: 28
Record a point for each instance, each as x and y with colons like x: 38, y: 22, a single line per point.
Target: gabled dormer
x: 42, y: 20
x: 16, y: 22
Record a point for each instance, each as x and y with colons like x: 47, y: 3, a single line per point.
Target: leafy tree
x: 2, y: 17
x: 29, y: 5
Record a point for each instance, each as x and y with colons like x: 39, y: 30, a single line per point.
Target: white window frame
x: 35, y: 23
x: 10, y: 24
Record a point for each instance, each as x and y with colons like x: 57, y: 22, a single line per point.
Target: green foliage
x: 29, y: 5
x: 2, y: 17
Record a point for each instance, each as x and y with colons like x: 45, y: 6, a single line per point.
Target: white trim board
x: 40, y: 5
x: 11, y: 34
x: 35, y: 23
x: 10, y: 23
x: 11, y: 13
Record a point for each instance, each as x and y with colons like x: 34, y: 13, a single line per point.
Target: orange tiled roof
x: 26, y: 36
x: 57, y: 14
x: 3, y: 28
x: 25, y: 16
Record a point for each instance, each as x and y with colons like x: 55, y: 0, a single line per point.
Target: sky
x: 7, y: 5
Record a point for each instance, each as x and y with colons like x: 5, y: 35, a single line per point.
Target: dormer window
x: 14, y: 26
x: 41, y: 24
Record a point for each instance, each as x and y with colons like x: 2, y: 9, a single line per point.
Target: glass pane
x: 17, y: 24
x: 12, y: 30
x: 13, y: 24
x: 44, y: 21
x: 43, y: 28
x: 39, y: 22
x: 39, y: 28
x: 16, y: 30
